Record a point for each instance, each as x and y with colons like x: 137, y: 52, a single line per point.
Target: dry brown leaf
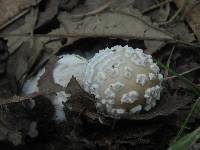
x: 158, y: 15
x: 120, y: 24
x: 79, y: 99
x: 181, y: 31
x: 15, y: 42
x: 28, y: 49
x: 9, y: 9
x: 14, y: 122
x: 18, y: 62
x: 191, y: 12
x: 19, y: 120
x: 46, y: 82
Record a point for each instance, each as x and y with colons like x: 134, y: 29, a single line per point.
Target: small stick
x: 175, y: 15
x: 93, y: 12
x: 15, y: 18
x: 168, y: 62
x: 184, y: 73
x: 156, y: 6
x: 83, y: 35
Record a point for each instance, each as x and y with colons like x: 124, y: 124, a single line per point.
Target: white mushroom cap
x: 66, y: 67
x: 123, y: 79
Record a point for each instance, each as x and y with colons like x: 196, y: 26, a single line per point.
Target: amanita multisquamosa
x: 124, y: 80
x: 66, y: 67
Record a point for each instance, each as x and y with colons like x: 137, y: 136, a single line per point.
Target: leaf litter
x: 68, y: 26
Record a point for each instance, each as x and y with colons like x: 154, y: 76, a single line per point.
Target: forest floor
x: 34, y: 32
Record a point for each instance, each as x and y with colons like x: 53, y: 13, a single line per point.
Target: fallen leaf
x: 17, y: 64
x: 28, y: 49
x: 46, y: 82
x: 81, y: 101
x: 10, y: 9
x: 124, y: 24
x: 14, y: 122
x: 15, y: 42
x: 191, y: 13
x: 157, y: 15
x: 181, y: 31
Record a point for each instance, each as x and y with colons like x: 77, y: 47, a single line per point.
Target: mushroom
x: 124, y: 80
x: 66, y: 67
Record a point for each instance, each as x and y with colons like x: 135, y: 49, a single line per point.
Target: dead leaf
x: 46, y: 82
x: 153, y: 46
x: 28, y: 49
x: 181, y: 31
x: 15, y: 42
x: 17, y: 64
x: 17, y: 117
x: 158, y: 15
x: 79, y: 102
x: 119, y: 24
x: 14, y: 122
x: 10, y: 9
x: 192, y: 15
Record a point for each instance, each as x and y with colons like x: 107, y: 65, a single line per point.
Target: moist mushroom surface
x: 123, y: 80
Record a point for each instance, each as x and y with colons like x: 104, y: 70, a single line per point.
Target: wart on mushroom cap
x: 66, y: 67
x: 123, y: 79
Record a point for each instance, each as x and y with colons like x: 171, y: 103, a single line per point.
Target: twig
x: 15, y: 18
x: 187, y: 82
x: 84, y: 35
x: 156, y: 6
x: 34, y: 15
x: 17, y: 98
x: 168, y: 62
x: 93, y: 12
x: 19, y: 15
x: 184, y: 73
x: 175, y: 15
x: 110, y: 35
